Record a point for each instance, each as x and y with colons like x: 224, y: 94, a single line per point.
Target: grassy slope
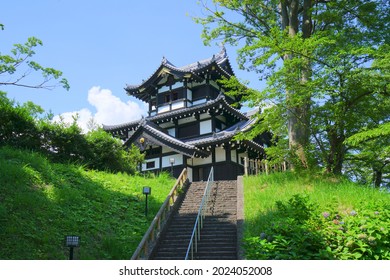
x: 41, y: 202
x: 261, y: 193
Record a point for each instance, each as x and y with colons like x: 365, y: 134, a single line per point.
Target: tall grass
x: 41, y: 202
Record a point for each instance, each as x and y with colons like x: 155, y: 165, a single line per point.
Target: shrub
x: 21, y: 127
x: 63, y: 142
x: 108, y: 153
x: 17, y: 123
x: 300, y: 230
x: 362, y: 233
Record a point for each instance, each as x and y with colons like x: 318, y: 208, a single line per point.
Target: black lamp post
x: 172, y: 162
x: 146, y: 191
x: 72, y: 241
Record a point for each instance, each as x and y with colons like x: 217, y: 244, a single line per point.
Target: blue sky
x: 100, y: 46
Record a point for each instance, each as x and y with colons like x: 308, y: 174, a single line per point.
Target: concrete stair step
x: 219, y: 234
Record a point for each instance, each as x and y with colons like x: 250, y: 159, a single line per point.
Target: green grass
x: 41, y: 202
x: 337, y: 196
x: 262, y: 192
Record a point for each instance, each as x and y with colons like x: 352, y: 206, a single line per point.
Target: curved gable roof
x: 159, y: 137
x: 219, y: 62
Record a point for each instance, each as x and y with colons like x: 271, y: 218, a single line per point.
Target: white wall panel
x: 205, y: 127
x: 220, y: 154
x: 201, y: 161
x: 178, y: 160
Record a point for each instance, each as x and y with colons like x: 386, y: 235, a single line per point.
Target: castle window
x: 167, y: 98
x: 163, y: 89
x: 177, y: 85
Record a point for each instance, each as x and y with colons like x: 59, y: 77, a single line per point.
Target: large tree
x: 317, y: 57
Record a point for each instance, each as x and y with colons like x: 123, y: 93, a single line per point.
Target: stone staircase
x: 219, y: 233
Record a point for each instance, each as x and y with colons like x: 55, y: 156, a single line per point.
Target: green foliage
x: 107, y: 152
x: 293, y: 235
x: 327, y: 72
x: 63, y: 142
x: 17, y: 126
x: 21, y: 126
x: 382, y: 130
x: 41, y: 202
x: 304, y: 217
x: 17, y: 66
x: 370, y: 160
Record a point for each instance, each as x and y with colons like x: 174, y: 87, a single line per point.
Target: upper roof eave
x: 220, y: 100
x: 163, y: 138
x: 180, y: 113
x: 219, y: 60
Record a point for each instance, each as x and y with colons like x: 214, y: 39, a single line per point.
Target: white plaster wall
x: 220, y: 154
x: 178, y: 160
x: 234, y: 155
x: 177, y: 105
x: 163, y: 109
x: 166, y: 150
x: 189, y: 94
x: 199, y: 101
x: 205, y: 127
x: 189, y: 174
x: 201, y: 161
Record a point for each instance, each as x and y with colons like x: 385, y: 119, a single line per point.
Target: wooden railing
x: 254, y: 167
x: 149, y: 240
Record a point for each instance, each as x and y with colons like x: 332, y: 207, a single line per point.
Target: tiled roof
x: 160, y: 137
x: 180, y: 113
x: 222, y: 135
x: 194, y: 146
x: 220, y: 60
x: 219, y: 101
x: 116, y: 127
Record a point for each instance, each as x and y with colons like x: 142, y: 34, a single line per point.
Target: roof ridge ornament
x: 143, y: 121
x: 164, y: 60
x: 223, y: 53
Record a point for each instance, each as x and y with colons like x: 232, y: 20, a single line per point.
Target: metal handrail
x: 195, y: 236
x: 145, y: 246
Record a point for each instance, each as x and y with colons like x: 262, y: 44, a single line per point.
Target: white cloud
x: 109, y: 110
x: 83, y: 117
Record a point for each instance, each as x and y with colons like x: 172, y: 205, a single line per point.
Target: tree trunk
x: 377, y: 178
x: 336, y: 154
x: 298, y: 115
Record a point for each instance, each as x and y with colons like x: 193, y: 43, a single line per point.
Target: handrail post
x: 155, y: 227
